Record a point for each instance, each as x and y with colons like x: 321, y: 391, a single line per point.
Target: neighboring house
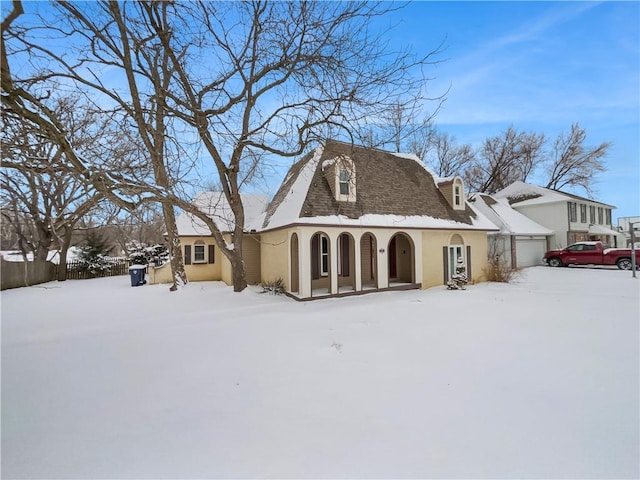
x: 350, y: 219
x: 623, y: 227
x: 521, y: 242
x: 571, y: 218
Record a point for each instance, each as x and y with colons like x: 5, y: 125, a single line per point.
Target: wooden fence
x: 21, y: 274
x: 77, y: 271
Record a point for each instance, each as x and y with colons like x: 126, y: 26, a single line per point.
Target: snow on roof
x: 398, y: 221
x: 428, y: 211
x: 522, y: 194
x: 291, y: 205
x: 415, y: 158
x: 506, y: 218
x: 53, y: 256
x: 601, y: 230
x: 215, y: 205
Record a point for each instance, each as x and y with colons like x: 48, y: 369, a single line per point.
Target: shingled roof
x: 392, y: 189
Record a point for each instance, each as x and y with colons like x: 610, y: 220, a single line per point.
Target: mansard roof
x: 392, y: 190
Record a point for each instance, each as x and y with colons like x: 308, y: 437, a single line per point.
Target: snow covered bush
x: 142, y: 254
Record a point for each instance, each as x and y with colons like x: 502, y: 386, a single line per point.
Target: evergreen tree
x: 92, y: 255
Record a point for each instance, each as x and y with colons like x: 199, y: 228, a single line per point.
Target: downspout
x: 568, y: 223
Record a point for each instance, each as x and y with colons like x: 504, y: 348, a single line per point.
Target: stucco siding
x: 205, y: 271
x: 274, y: 255
x: 251, y: 253
x: 159, y: 275
x: 432, y: 257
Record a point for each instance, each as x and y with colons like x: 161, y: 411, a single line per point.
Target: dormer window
x: 457, y: 194
x: 340, y: 173
x: 344, y: 181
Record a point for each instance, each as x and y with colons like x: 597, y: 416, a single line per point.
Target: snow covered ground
x: 535, y: 379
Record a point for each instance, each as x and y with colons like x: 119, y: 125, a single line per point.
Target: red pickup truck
x: 589, y: 253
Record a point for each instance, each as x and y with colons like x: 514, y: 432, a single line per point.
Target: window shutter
x: 187, y: 254
x: 212, y: 254
x: 345, y: 255
x: 315, y: 249
x: 445, y: 263
x: 469, y: 263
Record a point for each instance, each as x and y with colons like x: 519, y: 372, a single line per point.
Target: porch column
x: 333, y: 262
x: 304, y: 263
x: 358, y: 262
x: 382, y: 242
x: 417, y: 256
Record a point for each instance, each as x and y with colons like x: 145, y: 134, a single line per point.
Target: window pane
x: 198, y: 253
x: 344, y: 182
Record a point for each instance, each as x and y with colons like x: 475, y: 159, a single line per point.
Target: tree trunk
x: 238, y: 273
x: 64, y: 249
x: 175, y: 252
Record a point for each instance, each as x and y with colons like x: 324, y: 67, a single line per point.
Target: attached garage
x: 529, y: 251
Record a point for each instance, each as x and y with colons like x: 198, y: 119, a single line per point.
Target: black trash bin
x: 136, y: 272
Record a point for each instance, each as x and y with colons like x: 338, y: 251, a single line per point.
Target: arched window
x: 458, y: 194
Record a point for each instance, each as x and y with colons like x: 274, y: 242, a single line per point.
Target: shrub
x: 274, y: 287
x: 498, y: 270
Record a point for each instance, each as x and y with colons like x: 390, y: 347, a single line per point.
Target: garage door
x: 529, y: 252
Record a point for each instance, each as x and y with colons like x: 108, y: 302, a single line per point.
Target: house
x: 571, y: 218
x: 201, y: 255
x: 624, y: 224
x: 349, y: 220
x: 521, y: 242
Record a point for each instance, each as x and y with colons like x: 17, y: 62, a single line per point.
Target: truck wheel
x: 624, y: 264
x: 555, y: 262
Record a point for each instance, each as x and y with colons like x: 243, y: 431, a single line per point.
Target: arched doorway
x: 455, y: 253
x: 294, y: 281
x: 346, y: 263
x: 401, y: 256
x: 320, y: 264
x: 369, y: 261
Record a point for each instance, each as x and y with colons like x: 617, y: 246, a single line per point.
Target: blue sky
x: 538, y: 66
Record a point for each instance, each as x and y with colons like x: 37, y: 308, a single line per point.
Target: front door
x: 393, y: 266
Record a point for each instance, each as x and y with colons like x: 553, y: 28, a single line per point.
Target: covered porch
x: 336, y: 262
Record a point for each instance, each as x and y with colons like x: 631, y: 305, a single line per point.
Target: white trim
x: 322, y: 254
x: 196, y: 245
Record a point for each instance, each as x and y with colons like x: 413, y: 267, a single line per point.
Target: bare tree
x: 572, y: 163
x: 447, y: 158
x: 503, y: 160
x: 271, y: 82
x: 403, y: 128
x: 284, y: 74
x: 42, y: 205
